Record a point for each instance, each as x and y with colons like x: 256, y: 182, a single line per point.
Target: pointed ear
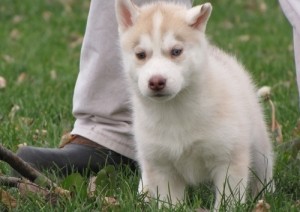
x: 198, y: 16
x: 126, y: 12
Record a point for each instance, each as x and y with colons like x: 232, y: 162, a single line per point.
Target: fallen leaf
x: 92, y: 186
x: 8, y: 58
x: 111, y: 201
x: 277, y: 131
x: 47, y: 15
x: 7, y: 199
x: 21, y: 78
x: 2, y: 82
x: 62, y: 192
x: 262, y: 7
x: 26, y: 120
x: 41, y: 132
x: 13, y: 111
x: 244, y: 38
x: 21, y: 145
x: 262, y: 206
x: 75, y: 40
x: 65, y: 139
x: 53, y: 74
x: 15, y: 34
x: 67, y: 5
x: 227, y: 24
x: 26, y: 187
x: 17, y: 19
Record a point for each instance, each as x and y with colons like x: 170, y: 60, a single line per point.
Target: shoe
x: 79, y: 154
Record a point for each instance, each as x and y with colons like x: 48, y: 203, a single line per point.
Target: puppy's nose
x: 157, y: 83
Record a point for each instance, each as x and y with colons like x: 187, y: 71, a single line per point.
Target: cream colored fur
x: 206, y: 123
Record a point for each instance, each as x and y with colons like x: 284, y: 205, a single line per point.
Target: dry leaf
x: 262, y: 206
x: 21, y: 78
x: 67, y: 5
x: 262, y: 7
x: 21, y: 145
x: 53, y: 74
x: 7, y: 199
x: 2, y: 82
x: 111, y: 201
x: 17, y: 19
x: 15, y: 34
x: 62, y: 192
x: 244, y: 38
x: 92, y: 186
x: 8, y: 58
x: 227, y: 24
x: 26, y: 120
x: 13, y: 111
x: 47, y: 15
x: 65, y: 138
x: 277, y: 131
x: 41, y: 132
x: 75, y: 40
x: 26, y: 187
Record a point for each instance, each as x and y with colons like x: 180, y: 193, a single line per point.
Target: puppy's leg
x: 262, y: 172
x: 231, y: 182
x: 162, y: 183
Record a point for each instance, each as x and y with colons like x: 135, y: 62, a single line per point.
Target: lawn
x: 39, y: 58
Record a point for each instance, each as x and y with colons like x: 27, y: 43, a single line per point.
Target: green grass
x: 38, y: 37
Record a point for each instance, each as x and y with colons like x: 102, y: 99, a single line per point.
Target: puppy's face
x: 161, y: 48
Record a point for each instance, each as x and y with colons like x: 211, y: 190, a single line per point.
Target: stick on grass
x: 23, y: 168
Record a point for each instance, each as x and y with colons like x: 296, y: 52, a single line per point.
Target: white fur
x: 208, y: 125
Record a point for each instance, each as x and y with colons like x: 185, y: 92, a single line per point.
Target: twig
x: 26, y: 187
x: 10, y: 181
x: 24, y: 168
x: 23, y: 185
x: 28, y: 172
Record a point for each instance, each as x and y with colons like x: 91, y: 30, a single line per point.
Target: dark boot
x: 79, y: 155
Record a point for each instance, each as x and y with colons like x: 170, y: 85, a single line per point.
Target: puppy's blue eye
x: 176, y: 52
x: 141, y: 55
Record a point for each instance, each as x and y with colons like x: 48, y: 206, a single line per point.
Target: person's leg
x: 100, y: 102
x: 291, y: 9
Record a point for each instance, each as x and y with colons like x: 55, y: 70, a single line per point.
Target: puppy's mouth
x: 159, y: 96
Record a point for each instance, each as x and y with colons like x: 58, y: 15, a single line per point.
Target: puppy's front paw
x: 143, y: 190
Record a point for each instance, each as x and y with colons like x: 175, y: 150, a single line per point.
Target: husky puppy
x: 195, y: 110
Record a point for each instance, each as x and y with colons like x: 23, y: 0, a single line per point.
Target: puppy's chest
x: 193, y: 162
